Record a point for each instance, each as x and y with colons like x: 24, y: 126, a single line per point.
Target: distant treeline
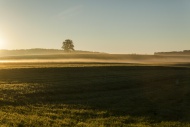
x: 176, y: 53
x: 37, y: 51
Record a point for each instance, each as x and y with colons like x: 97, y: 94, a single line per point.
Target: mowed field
x: 91, y: 94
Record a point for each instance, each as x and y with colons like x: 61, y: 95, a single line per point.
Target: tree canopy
x: 68, y: 45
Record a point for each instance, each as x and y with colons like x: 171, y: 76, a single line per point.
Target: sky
x: 112, y: 26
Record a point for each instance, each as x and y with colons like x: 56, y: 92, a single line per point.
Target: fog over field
x: 94, y: 89
x: 97, y: 58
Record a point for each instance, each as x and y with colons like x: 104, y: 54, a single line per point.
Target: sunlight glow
x: 2, y: 43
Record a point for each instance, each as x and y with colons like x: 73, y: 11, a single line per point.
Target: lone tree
x: 68, y: 45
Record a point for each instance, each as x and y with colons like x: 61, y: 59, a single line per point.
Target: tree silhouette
x: 68, y: 45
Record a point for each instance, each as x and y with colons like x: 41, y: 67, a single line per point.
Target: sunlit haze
x: 2, y: 42
x: 113, y: 26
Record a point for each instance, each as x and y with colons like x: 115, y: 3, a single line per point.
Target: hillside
x: 37, y: 51
x: 55, y: 55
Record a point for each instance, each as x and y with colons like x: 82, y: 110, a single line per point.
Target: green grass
x: 107, y: 95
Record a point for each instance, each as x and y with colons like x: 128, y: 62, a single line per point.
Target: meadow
x: 94, y: 94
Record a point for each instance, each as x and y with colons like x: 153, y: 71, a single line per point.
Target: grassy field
x: 57, y: 94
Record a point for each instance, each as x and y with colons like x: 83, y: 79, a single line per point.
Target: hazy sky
x: 113, y: 26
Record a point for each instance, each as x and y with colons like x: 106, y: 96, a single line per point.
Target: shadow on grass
x: 157, y: 93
